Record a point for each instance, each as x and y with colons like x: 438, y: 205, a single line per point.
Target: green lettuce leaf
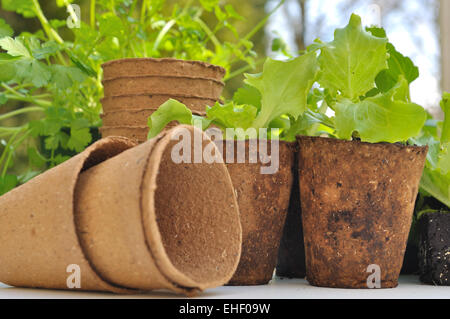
x: 247, y: 95
x: 350, y: 63
x: 436, y: 185
x: 381, y: 118
x: 232, y: 116
x: 171, y: 110
x: 398, y: 65
x: 284, y: 86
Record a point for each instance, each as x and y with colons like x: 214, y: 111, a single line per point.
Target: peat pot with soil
x: 357, y: 204
x: 263, y: 199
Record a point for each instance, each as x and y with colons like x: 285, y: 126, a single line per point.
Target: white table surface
x: 409, y: 288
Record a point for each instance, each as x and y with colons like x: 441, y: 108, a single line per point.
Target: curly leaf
x: 381, y: 118
x: 231, y: 115
x: 171, y: 110
x: 350, y: 63
x: 284, y: 87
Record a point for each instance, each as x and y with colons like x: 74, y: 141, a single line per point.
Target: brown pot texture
x: 38, y: 237
x: 152, y: 101
x: 291, y: 255
x: 143, y: 225
x: 166, y: 66
x: 263, y: 202
x: 167, y: 85
x: 138, y: 134
x: 357, y: 204
x: 111, y: 211
x: 130, y: 117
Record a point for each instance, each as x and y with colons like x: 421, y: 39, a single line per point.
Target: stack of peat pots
x: 134, y: 88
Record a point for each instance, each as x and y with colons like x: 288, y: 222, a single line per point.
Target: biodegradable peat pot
x: 357, y: 205
x: 263, y: 203
x: 291, y: 254
x: 434, y: 248
x: 167, y: 85
x: 152, y: 101
x: 136, y: 133
x: 131, y: 223
x: 38, y: 237
x: 143, y: 225
x: 165, y: 66
x: 131, y: 117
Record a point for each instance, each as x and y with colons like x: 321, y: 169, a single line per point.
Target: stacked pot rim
x: 134, y: 88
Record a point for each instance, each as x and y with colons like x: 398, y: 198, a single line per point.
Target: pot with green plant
x: 430, y: 234
x: 358, y: 188
x: 259, y: 150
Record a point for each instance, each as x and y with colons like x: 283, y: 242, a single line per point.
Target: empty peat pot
x: 128, y: 118
x: 357, y: 204
x: 152, y: 101
x: 291, y: 254
x: 148, y: 76
x: 434, y: 248
x: 156, y: 67
x: 137, y: 134
x: 129, y: 218
x: 167, y: 85
x: 263, y: 203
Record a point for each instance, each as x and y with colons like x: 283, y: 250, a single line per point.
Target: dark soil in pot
x: 411, y: 261
x: 291, y: 255
x: 152, y: 101
x: 357, y: 205
x: 166, y: 66
x: 263, y: 203
x: 434, y: 248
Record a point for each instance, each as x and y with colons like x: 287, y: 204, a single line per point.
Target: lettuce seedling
x: 367, y: 85
x: 267, y: 101
x: 363, y: 79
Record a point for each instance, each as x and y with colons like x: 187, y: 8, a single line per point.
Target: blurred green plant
x: 60, y: 79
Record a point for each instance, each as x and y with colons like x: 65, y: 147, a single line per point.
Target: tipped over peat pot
x: 434, y: 248
x: 129, y: 217
x: 291, y: 254
x: 263, y: 201
x: 357, y: 204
